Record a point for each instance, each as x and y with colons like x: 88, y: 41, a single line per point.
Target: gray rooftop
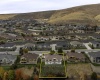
x: 8, y: 57
x: 50, y: 57
x: 75, y: 43
x: 94, y: 54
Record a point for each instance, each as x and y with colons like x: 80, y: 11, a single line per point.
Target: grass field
x: 75, y: 70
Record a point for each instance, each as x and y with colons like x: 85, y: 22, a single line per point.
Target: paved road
x: 40, y: 52
x: 78, y: 50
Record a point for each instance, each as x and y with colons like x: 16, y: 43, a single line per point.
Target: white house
x: 53, y: 46
x: 94, y: 57
x: 53, y: 59
x: 7, y: 59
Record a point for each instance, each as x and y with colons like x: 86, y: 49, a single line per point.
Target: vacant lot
x: 27, y: 71
x: 76, y: 70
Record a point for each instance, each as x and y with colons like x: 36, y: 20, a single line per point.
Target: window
x: 94, y: 60
x: 0, y: 60
x: 54, y: 59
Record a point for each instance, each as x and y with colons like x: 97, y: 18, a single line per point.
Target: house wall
x: 33, y: 61
x: 51, y: 62
x: 6, y: 61
x: 92, y: 59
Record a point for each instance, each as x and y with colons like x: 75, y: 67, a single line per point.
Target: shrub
x: 73, y: 50
x: 14, y: 66
x: 94, y: 76
x: 60, y: 50
x: 52, y: 52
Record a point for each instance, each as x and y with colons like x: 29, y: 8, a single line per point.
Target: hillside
x: 35, y: 15
x: 6, y: 16
x: 80, y: 15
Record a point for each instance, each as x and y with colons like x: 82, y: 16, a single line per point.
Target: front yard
x: 51, y: 71
x: 26, y: 65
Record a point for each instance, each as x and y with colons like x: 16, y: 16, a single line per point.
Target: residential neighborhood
x: 40, y: 42
x: 50, y: 51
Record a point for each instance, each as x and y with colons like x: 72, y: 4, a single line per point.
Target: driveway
x: 87, y: 46
x: 18, y: 48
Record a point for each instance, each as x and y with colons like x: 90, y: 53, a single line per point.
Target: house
x: 7, y: 58
x: 52, y: 59
x: 96, y: 36
x: 29, y: 45
x: 76, y: 44
x: 8, y: 46
x: 11, y: 37
x: 42, y: 38
x: 29, y: 58
x: 94, y: 57
x: 43, y: 46
x: 62, y: 44
x: 53, y: 38
x: 95, y: 44
x: 90, y: 28
x: 75, y: 57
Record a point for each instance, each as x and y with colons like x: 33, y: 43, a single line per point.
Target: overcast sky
x: 22, y: 6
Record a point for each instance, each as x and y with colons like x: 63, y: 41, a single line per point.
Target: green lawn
x: 96, y: 64
x: 53, y: 71
x: 26, y: 65
x: 6, y: 67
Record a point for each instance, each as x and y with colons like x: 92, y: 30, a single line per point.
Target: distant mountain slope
x: 87, y: 14
x: 6, y: 16
x: 35, y: 15
x: 81, y: 14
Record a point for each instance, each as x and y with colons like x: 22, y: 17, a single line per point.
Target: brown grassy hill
x: 87, y: 14
x: 34, y: 15
x: 81, y: 14
x: 6, y: 16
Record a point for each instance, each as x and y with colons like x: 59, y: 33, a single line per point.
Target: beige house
x: 75, y: 57
x: 29, y: 58
x: 53, y: 59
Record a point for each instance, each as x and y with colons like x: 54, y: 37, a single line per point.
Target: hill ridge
x: 86, y: 14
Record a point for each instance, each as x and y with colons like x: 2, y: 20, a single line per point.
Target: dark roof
x: 29, y: 45
x: 75, y: 43
x: 8, y: 57
x: 94, y: 54
x: 7, y: 45
x: 77, y: 55
x: 50, y: 57
x: 30, y: 56
x: 95, y: 42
